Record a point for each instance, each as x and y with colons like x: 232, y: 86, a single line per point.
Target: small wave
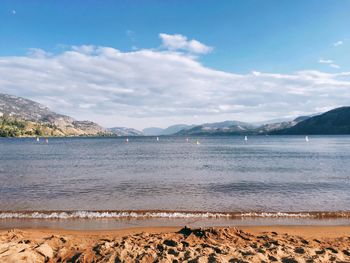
x: 164, y: 214
x: 107, y: 214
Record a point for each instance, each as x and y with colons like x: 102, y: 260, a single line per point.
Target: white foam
x: 277, y: 214
x: 92, y: 214
x: 165, y: 214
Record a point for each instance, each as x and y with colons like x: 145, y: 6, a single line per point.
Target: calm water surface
x: 266, y: 173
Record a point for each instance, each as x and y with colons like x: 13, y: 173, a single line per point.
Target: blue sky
x: 275, y: 37
x: 246, y: 35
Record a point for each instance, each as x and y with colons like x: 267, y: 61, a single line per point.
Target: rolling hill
x: 336, y: 121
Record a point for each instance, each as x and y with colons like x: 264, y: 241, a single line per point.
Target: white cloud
x: 325, y: 61
x: 338, y: 43
x: 158, y: 88
x: 334, y: 66
x: 329, y: 62
x: 180, y: 42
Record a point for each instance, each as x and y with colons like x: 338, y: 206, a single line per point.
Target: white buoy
x: 197, y: 142
x: 157, y: 139
x: 37, y: 139
x: 307, y: 138
x: 187, y: 140
x: 245, y: 138
x: 127, y: 140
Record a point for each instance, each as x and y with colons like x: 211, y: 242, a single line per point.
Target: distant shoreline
x: 174, y: 136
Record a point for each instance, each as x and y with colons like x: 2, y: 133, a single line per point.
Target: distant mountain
x: 277, y: 120
x: 122, y: 131
x: 23, y: 117
x: 336, y: 121
x: 274, y: 127
x: 218, y: 128
x: 176, y: 128
x: 153, y: 131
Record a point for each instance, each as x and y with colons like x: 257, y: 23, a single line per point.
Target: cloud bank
x: 162, y: 87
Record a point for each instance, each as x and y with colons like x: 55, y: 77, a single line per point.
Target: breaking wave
x: 164, y: 214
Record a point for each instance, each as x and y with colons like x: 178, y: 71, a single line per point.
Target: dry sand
x: 172, y: 244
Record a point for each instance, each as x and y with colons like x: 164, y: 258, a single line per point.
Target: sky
x: 157, y: 63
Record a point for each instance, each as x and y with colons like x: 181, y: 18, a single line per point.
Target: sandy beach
x: 175, y: 244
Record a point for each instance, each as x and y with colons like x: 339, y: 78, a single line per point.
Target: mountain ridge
x: 31, y: 113
x: 333, y: 122
x: 24, y: 117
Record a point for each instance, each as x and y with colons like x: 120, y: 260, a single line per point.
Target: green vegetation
x: 12, y: 127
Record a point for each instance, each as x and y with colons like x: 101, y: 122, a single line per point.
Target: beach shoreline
x: 169, y: 243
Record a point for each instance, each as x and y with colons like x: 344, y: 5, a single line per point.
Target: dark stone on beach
x: 188, y: 255
x: 160, y: 248
x: 247, y: 253
x: 332, y: 258
x: 260, y: 250
x: 25, y: 241
x: 272, y: 258
x: 332, y: 250
x: 319, y: 252
x: 237, y: 260
x: 212, y: 259
x: 198, y: 232
x: 76, y: 257
x: 185, y: 231
x: 217, y: 250
x: 185, y: 244
x: 170, y: 243
x: 305, y: 242
x: 346, y: 252
x: 289, y: 260
x: 299, y: 250
x: 172, y: 251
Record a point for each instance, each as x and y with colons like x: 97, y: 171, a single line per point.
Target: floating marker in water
x: 307, y: 138
x: 186, y: 139
x: 37, y: 139
x: 245, y: 138
x: 197, y: 142
x: 127, y: 140
x: 157, y: 139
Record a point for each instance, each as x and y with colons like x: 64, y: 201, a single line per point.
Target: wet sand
x: 176, y: 244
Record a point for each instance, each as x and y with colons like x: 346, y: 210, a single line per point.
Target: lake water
x: 222, y: 174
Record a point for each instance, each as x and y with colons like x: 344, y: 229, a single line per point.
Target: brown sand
x: 172, y: 244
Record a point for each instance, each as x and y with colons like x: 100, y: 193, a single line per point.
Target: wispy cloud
x: 329, y: 62
x: 334, y: 66
x: 325, y: 61
x: 154, y: 87
x: 180, y: 42
x: 338, y: 43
